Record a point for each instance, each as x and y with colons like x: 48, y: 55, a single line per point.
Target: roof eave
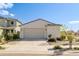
x: 54, y: 25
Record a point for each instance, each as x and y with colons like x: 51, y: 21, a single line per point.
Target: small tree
x: 70, y: 38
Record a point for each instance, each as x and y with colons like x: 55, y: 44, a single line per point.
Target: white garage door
x: 34, y: 33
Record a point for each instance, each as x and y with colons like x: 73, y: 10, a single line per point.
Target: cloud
x: 73, y: 25
x: 4, y: 9
x: 6, y: 5
x: 4, y: 12
x: 12, y: 14
x: 73, y: 22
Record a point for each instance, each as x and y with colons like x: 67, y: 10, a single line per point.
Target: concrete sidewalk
x: 26, y: 53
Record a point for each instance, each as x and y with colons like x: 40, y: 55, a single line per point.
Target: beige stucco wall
x: 1, y: 30
x: 36, y: 24
x: 54, y: 30
x: 18, y: 28
x: 21, y: 33
x: 18, y: 23
x: 3, y: 22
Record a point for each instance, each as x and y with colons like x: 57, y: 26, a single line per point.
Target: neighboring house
x: 9, y: 25
x: 39, y: 29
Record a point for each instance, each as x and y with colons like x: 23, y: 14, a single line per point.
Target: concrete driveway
x: 25, y: 48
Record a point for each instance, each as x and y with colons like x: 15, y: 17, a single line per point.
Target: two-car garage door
x: 34, y: 33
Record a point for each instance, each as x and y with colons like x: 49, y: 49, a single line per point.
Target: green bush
x: 57, y: 47
x: 8, y: 37
x: 11, y: 36
x: 16, y: 36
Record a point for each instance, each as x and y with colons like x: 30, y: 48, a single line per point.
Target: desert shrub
x: 77, y: 40
x: 50, y: 35
x: 63, y: 37
x: 59, y: 39
x: 57, y: 47
x: 2, y: 47
x: 1, y: 38
x: 51, y: 40
x: 76, y: 48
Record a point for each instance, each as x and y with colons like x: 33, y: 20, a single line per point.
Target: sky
x: 60, y: 13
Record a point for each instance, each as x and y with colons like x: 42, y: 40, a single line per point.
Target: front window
x: 12, y: 31
x: 12, y: 22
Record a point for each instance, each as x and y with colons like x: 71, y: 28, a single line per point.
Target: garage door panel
x: 34, y: 33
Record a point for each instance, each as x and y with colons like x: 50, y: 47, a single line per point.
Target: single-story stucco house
x: 39, y: 29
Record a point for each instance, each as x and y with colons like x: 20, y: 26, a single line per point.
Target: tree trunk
x: 70, y: 44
